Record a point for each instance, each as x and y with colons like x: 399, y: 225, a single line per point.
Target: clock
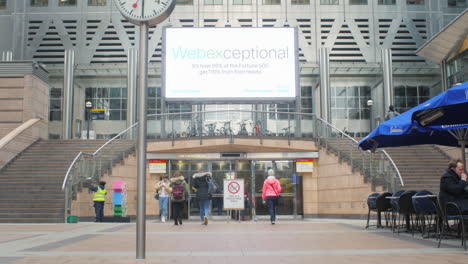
x: 151, y: 12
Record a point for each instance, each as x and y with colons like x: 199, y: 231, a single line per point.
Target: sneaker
x: 205, y: 220
x: 163, y: 219
x: 272, y: 222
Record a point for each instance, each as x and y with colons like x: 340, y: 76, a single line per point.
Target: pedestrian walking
x: 391, y: 113
x: 202, y: 180
x: 164, y: 190
x: 180, y: 194
x: 99, y: 200
x: 270, y: 192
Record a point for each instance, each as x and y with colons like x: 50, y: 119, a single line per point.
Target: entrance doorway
x: 253, y: 172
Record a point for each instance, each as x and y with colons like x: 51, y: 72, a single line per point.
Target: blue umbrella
x: 447, y: 111
x: 404, y: 130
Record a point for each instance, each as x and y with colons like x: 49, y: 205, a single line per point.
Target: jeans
x: 271, y: 203
x: 204, y: 208
x: 163, y: 201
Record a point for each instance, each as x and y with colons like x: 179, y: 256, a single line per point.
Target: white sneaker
x: 163, y: 219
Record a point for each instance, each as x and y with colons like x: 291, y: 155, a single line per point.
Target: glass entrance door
x: 254, y: 173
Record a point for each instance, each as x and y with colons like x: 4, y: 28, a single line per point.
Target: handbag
x: 156, y: 195
x: 279, y: 198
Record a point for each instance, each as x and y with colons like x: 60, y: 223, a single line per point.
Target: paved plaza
x: 309, y: 241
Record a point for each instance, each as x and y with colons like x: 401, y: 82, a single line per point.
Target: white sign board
x: 230, y: 64
x: 234, y: 194
x: 157, y: 166
x: 304, y: 165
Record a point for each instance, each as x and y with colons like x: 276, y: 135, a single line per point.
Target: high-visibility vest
x: 100, y: 195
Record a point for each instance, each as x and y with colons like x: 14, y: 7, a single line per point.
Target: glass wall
x: 409, y: 96
x: 457, y: 69
x: 253, y: 173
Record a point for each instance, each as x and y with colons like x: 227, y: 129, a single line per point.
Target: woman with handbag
x: 270, y: 193
x: 163, y: 191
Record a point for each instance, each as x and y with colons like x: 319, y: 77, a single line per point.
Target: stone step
x: 35, y: 219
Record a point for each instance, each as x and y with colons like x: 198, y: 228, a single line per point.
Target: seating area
x: 418, y: 212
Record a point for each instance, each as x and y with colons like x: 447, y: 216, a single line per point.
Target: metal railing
x: 203, y: 125
x: 87, y: 168
x: 378, y: 167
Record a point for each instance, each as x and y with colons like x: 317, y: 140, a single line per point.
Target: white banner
x: 233, y: 194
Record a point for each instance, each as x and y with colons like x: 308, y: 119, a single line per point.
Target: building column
x: 67, y: 95
x: 387, y: 71
x: 443, y: 75
x: 325, y: 84
x: 7, y: 55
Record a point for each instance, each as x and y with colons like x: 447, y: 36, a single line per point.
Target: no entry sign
x: 233, y: 194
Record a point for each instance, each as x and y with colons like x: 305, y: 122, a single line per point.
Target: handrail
x: 15, y: 132
x: 112, y: 139
x: 71, y: 166
x: 355, y: 141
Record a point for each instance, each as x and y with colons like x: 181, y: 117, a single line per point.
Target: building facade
x: 353, y: 31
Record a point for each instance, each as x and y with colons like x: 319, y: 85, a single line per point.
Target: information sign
x: 233, y: 194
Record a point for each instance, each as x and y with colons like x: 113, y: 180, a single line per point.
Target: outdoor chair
x: 406, y: 210
x: 426, y: 212
x: 379, y: 204
x: 395, y: 207
x: 451, y: 211
x: 371, y: 205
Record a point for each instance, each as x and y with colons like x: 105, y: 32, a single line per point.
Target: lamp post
x: 370, y: 103
x: 88, y: 105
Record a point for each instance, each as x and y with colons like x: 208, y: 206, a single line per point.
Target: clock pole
x: 141, y: 144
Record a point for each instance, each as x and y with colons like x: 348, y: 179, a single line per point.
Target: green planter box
x: 72, y: 219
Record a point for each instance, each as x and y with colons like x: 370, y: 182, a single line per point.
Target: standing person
x: 164, y: 190
x: 99, y: 199
x: 201, y: 183
x: 180, y: 194
x: 270, y: 192
x: 391, y: 113
x: 453, y: 184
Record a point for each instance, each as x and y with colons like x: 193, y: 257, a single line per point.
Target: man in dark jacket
x: 453, y: 184
x: 200, y: 182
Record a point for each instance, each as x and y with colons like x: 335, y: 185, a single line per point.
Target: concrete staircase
x: 420, y: 166
x: 30, y: 186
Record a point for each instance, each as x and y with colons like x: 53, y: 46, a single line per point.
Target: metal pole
x: 141, y: 143
x: 132, y: 70
x: 443, y: 75
x: 68, y: 91
x: 89, y: 117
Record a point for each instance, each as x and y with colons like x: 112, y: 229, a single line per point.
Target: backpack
x: 212, y: 187
x: 178, y: 192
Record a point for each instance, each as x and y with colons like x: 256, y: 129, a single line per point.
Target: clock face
x: 151, y: 11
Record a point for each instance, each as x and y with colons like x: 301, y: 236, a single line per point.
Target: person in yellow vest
x: 99, y: 199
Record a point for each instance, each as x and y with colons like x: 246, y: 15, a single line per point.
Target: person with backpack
x: 203, y: 182
x: 270, y: 192
x: 180, y: 194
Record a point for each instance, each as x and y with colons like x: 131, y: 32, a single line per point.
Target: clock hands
x: 135, y: 5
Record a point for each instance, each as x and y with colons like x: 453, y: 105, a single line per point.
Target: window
x: 387, y: 2
x: 39, y: 2
x: 300, y: 2
x: 242, y: 2
x: 55, y: 107
x: 213, y: 2
x: 456, y: 3
x: 3, y: 4
x: 358, y: 2
x: 112, y: 100
x: 350, y: 102
x: 407, y: 96
x: 67, y: 2
x: 184, y: 2
x: 97, y: 2
x: 271, y: 2
x: 415, y: 2
x: 329, y: 2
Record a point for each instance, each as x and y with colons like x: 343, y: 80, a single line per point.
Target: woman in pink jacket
x: 270, y: 193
